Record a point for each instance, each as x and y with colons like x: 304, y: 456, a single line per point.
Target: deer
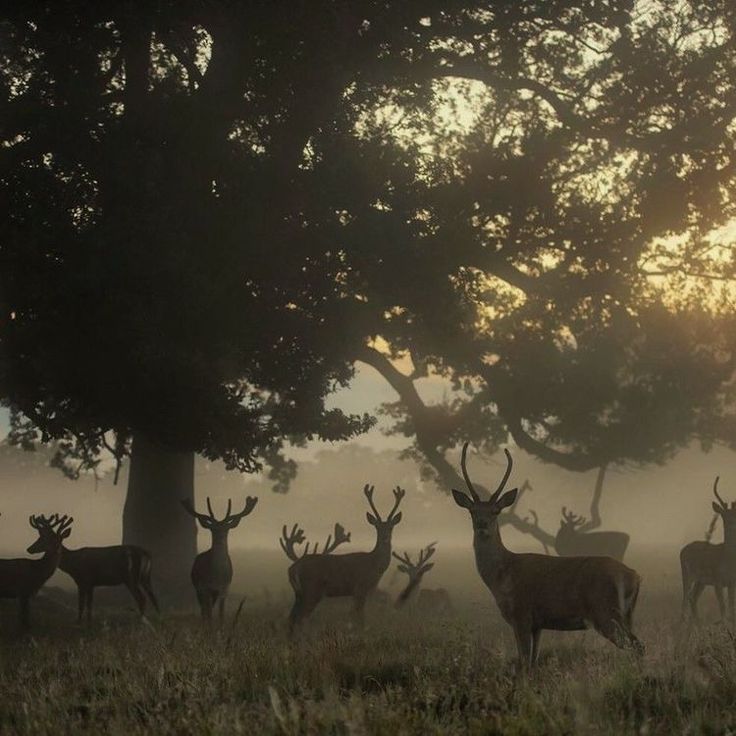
x: 426, y: 599
x: 212, y: 571
x: 572, y: 540
x: 23, y: 578
x: 703, y: 563
x: 91, y: 567
x: 356, y: 574
x: 535, y: 592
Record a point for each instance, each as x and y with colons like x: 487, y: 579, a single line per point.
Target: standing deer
x: 427, y: 599
x: 91, y: 567
x: 536, y: 592
x: 22, y: 578
x: 355, y: 574
x: 572, y: 541
x: 703, y: 563
x: 212, y: 571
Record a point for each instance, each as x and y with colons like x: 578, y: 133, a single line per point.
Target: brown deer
x: 426, y: 599
x: 536, y: 592
x: 572, y: 539
x: 23, y: 578
x: 355, y: 574
x: 91, y: 567
x: 703, y: 563
x: 212, y: 571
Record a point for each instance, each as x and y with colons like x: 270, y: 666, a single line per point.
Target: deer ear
x: 66, y: 533
x: 717, y: 508
x: 396, y: 519
x: 402, y: 568
x: 461, y: 499
x: 507, y: 499
x: 371, y: 519
x: 428, y: 567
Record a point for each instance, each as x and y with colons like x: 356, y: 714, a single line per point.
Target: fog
x: 660, y: 507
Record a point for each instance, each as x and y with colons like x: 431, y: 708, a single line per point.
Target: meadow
x: 406, y: 673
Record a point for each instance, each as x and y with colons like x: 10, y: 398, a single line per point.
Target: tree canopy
x: 212, y: 210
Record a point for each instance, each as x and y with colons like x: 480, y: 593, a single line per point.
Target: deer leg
x: 695, y: 592
x: 221, y: 607
x: 536, y: 636
x: 524, y: 645
x: 146, y: 583
x: 359, y: 611
x: 24, y: 609
x: 138, y: 596
x: 721, y: 602
x: 88, y: 603
x: 303, y: 607
x: 81, y: 597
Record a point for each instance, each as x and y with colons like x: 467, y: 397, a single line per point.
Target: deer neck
x: 382, y: 550
x: 50, y: 560
x: 729, y: 541
x: 219, y: 548
x: 491, y: 557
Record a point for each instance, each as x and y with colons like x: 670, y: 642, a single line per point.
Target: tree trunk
x: 154, y: 519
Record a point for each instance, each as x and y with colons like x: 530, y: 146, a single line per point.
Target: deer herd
x: 586, y: 586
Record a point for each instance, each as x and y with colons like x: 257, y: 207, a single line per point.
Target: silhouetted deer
x: 703, y: 563
x: 289, y: 540
x: 212, y: 571
x: 426, y: 599
x: 91, y: 567
x: 536, y: 592
x: 355, y: 574
x: 23, y: 578
x: 571, y: 541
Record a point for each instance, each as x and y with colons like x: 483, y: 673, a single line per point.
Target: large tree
x: 211, y: 210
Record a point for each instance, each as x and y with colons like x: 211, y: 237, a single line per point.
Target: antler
x: 572, y: 518
x: 288, y: 541
x: 189, y: 508
x: 341, y: 536
x: 399, y: 494
x: 234, y: 519
x: 368, y: 491
x: 502, y: 484
x: 724, y: 505
x: 463, y: 466
x: 424, y: 555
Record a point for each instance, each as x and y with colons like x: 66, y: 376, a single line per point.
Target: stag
x: 536, y: 592
x: 572, y: 539
x: 426, y: 598
x: 355, y: 574
x: 91, y: 567
x: 23, y: 578
x: 212, y: 571
x: 703, y: 563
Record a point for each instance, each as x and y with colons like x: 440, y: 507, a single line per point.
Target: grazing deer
x: 212, y: 571
x: 355, y: 574
x: 22, y: 578
x: 426, y: 598
x: 572, y: 541
x: 536, y: 592
x: 289, y: 540
x: 91, y: 567
x: 703, y: 563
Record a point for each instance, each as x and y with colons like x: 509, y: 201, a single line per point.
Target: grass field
x: 405, y: 674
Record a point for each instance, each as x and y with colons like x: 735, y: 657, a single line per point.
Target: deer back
x: 572, y: 543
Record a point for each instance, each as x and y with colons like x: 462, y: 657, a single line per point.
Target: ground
x: 407, y: 673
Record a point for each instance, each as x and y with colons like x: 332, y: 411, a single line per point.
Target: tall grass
x: 405, y: 674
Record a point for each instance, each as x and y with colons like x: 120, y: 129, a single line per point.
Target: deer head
x: 570, y: 521
x: 485, y: 513
x: 220, y: 527
x: 52, y: 531
x: 416, y: 570
x: 728, y: 514
x: 384, y: 527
